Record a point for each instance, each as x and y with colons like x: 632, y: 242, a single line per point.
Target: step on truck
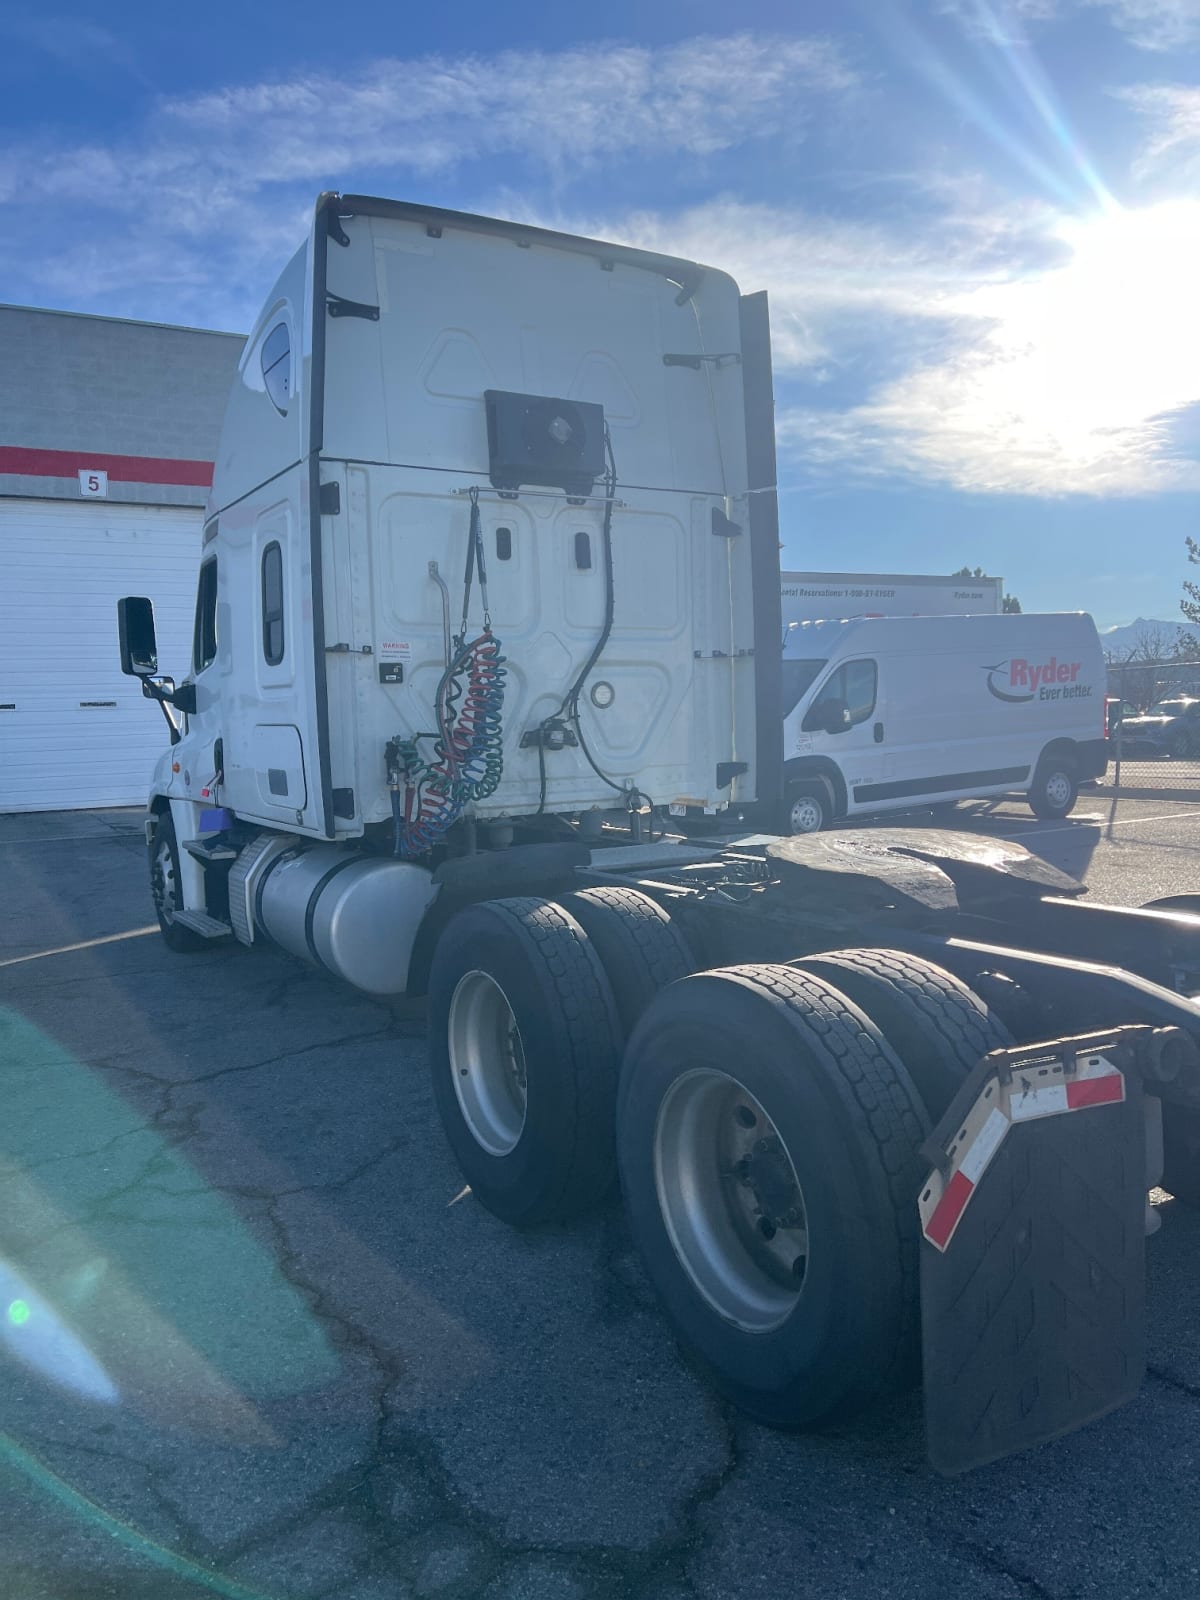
x: 488, y: 585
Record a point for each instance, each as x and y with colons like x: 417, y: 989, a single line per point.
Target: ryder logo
x: 1018, y: 680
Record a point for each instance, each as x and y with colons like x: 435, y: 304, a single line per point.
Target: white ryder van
x: 891, y: 713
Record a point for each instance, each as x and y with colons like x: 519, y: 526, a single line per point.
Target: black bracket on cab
x: 339, y: 307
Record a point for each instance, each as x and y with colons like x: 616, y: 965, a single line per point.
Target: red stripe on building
x: 948, y: 1210
x: 1095, y: 1091
x: 29, y: 463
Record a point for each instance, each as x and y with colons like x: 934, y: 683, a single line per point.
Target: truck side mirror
x: 135, y: 627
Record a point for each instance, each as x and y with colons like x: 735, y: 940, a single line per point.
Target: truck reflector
x: 949, y: 1208
x: 1041, y: 1089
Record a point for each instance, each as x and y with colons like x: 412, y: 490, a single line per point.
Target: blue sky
x: 979, y: 222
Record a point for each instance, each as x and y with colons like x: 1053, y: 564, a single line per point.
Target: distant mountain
x: 1128, y: 635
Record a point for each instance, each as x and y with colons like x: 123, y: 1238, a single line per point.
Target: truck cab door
x: 195, y: 757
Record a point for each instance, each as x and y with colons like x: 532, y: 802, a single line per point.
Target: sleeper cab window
x: 277, y: 366
x: 204, y: 638
x: 272, y: 603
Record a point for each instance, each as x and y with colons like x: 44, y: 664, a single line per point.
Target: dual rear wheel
x: 765, y: 1122
x: 530, y: 1003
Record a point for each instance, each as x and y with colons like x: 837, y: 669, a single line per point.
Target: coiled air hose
x: 468, y: 756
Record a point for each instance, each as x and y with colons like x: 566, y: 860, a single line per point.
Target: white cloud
x: 430, y: 114
x: 1159, y: 25
x: 1155, y: 24
x: 1172, y: 115
x: 1149, y: 24
x: 1073, y: 381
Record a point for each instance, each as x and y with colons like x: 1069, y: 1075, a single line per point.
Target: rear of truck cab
x: 491, y: 550
x: 891, y: 713
x: 346, y: 489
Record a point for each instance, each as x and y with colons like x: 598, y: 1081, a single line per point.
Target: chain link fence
x: 1154, y: 726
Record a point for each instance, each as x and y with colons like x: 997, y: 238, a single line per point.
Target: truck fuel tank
x: 353, y: 914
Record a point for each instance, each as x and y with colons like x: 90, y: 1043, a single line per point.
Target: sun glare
x: 1084, y: 361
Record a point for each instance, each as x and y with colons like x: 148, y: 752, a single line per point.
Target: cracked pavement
x: 279, y: 1354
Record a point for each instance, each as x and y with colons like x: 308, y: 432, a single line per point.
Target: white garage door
x: 74, y: 732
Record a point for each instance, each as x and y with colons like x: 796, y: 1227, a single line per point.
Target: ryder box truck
x: 819, y: 596
x: 489, y: 578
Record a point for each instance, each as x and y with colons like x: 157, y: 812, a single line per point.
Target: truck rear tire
x: 760, y: 1110
x: 938, y: 1027
x: 165, y: 889
x: 524, y: 1043
x: 1055, y: 788
x: 640, y: 948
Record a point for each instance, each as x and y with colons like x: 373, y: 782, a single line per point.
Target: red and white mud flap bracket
x: 1033, y: 1245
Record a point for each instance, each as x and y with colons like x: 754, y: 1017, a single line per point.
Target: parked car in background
x: 1171, y: 728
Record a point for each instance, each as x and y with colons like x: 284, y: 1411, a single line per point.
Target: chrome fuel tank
x: 355, y: 915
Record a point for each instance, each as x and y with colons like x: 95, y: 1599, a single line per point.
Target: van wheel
x: 939, y: 1028
x: 806, y: 808
x: 1054, y: 790
x: 165, y: 888
x: 639, y: 946
x: 524, y: 1043
x: 767, y: 1140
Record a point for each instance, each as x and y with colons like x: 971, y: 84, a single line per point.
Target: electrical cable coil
x: 468, y: 756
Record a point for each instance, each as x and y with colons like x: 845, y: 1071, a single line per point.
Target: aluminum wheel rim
x: 487, y: 1063
x: 1058, y: 789
x: 730, y: 1200
x: 162, y: 883
x: 806, y: 815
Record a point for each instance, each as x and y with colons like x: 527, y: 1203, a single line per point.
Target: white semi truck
x: 489, y: 580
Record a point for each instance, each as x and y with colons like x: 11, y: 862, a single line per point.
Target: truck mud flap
x: 1033, y: 1248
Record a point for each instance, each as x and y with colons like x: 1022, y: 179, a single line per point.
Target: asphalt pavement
x: 256, y: 1342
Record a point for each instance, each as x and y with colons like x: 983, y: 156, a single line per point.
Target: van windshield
x: 798, y: 678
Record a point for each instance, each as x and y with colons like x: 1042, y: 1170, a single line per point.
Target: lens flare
x: 36, y: 1335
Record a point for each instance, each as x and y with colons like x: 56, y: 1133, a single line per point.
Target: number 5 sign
x: 93, y: 483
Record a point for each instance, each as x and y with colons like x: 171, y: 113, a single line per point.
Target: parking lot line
x: 1070, y: 824
x: 85, y: 944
